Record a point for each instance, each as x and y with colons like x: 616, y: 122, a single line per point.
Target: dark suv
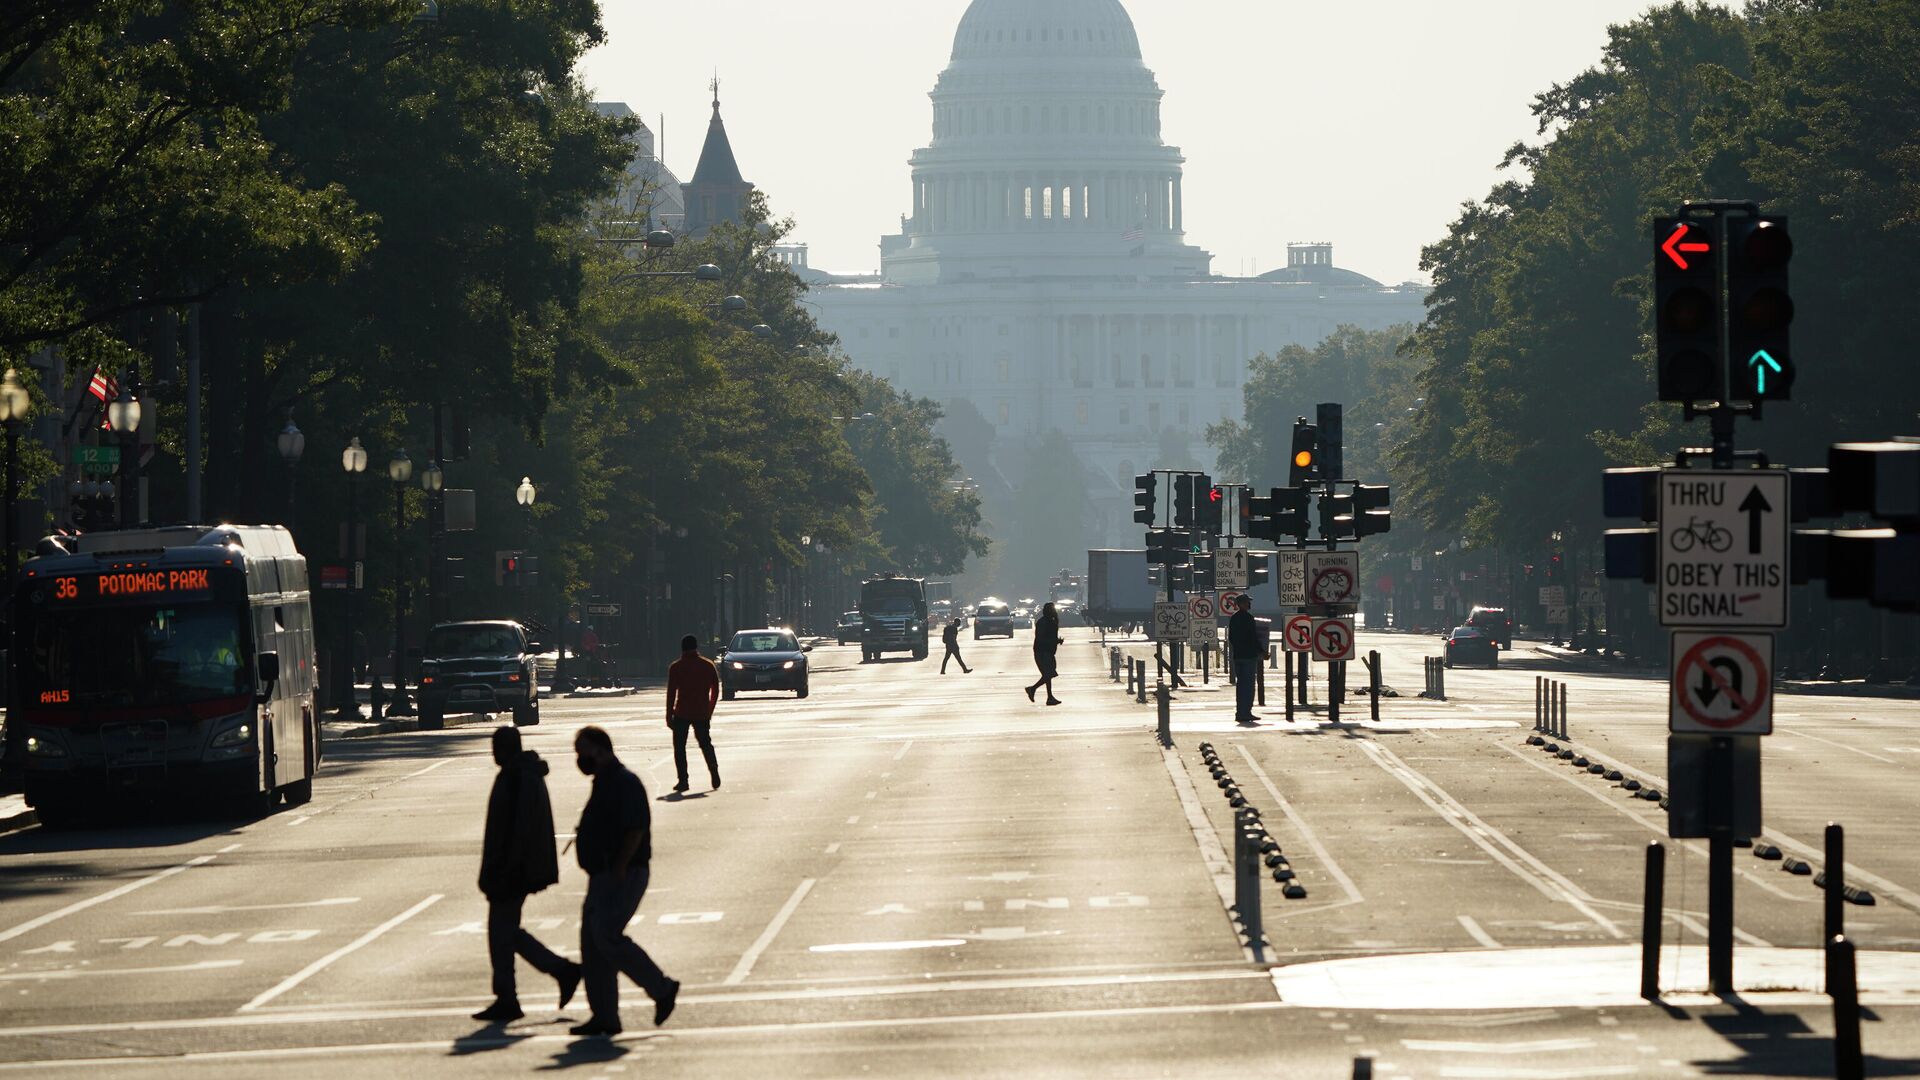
x: 471, y: 667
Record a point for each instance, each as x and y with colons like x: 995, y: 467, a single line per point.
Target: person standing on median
x: 615, y: 844
x: 517, y: 860
x: 950, y: 637
x: 1244, y: 646
x: 1046, y: 648
x: 693, y: 689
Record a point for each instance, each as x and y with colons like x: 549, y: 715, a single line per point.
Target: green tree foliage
x: 1049, y: 520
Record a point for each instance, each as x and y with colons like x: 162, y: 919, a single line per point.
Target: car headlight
x: 42, y: 748
x: 738, y: 666
x: 788, y: 666
x: 236, y: 736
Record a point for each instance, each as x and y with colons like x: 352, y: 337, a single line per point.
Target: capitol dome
x: 1005, y: 28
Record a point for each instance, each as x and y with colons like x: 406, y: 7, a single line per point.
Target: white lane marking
x: 37, y: 922
x: 1212, y: 852
x: 1550, y: 883
x: 439, y: 1046
x: 888, y: 946
x: 904, y: 747
x: 1300, y: 826
x: 854, y: 820
x: 218, y: 909
x: 299, y: 821
x: 428, y: 769
x: 229, y: 847
x: 752, y: 955
x: 1537, y: 1046
x: 74, y: 973
x: 1577, y: 1072
x: 1576, y: 779
x: 321, y: 964
x: 833, y: 848
x: 1476, y: 933
x: 1805, y: 734
x: 871, y: 794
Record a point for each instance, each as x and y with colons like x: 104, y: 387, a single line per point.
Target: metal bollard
x: 1845, y: 991
x: 1651, y: 916
x: 1140, y: 683
x: 1113, y: 663
x: 1163, y: 704
x: 1246, y: 881
x: 1836, y: 914
x: 1373, y: 676
x: 1540, y: 703
x: 1273, y: 656
x: 1563, y: 712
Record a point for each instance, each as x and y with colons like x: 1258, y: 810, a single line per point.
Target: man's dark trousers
x: 606, y: 952
x: 505, y: 938
x: 1245, y: 674
x: 702, y: 728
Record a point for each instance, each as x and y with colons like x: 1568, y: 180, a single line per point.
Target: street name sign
x: 1230, y: 568
x: 1291, y: 567
x: 1171, y: 621
x: 1723, y: 548
x: 1333, y: 577
x: 1722, y: 684
x: 1333, y: 639
x: 1299, y: 633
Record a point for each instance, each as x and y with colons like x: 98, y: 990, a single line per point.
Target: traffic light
x: 1183, y: 517
x: 506, y: 568
x: 1213, y: 505
x: 529, y: 570
x: 1331, y: 420
x: 1290, y: 513
x: 1145, y: 495
x: 1336, y: 515
x: 1686, y: 310
x: 1759, y: 309
x: 1371, y: 516
x: 1169, y: 547
x: 1200, y: 574
x: 1305, y: 462
x: 1259, y: 568
x: 1881, y: 566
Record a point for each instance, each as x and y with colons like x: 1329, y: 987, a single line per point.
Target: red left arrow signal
x: 1215, y: 495
x: 1677, y: 243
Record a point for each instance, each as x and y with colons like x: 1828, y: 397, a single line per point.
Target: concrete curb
x: 16, y: 822
x: 406, y: 725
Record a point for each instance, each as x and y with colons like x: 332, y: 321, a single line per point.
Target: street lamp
x: 353, y: 461
x: 15, y: 403
x: 399, y: 470
x: 525, y: 495
x: 123, y: 419
x: 292, y: 443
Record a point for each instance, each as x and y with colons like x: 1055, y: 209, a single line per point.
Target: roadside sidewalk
x: 14, y: 813
x: 1599, y: 665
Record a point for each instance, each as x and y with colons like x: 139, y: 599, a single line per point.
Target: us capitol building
x: 1042, y: 272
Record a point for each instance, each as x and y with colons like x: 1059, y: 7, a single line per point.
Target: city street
x: 915, y: 875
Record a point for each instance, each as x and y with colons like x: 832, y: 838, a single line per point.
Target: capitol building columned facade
x: 1042, y: 273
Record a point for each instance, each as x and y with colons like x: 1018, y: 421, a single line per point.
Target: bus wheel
x: 299, y: 793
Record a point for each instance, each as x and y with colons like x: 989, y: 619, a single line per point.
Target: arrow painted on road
x: 1673, y: 247
x: 1756, y: 507
x: 1760, y: 362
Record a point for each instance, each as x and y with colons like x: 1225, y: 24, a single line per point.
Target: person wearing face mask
x: 517, y: 860
x: 615, y: 847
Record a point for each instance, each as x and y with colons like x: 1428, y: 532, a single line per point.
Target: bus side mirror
x: 267, y: 667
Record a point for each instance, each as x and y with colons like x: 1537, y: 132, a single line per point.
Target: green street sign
x: 96, y: 455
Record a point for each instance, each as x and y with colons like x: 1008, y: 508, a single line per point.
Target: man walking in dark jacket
x: 693, y: 689
x: 950, y: 637
x: 1046, y: 648
x: 615, y: 845
x: 1244, y: 645
x: 517, y: 860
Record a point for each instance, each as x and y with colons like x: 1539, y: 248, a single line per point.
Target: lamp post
x: 525, y: 495
x: 433, y: 481
x: 15, y: 403
x: 399, y: 470
x: 123, y: 419
x: 353, y: 461
x: 292, y: 443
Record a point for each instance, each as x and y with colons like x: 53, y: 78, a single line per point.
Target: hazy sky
x: 1362, y: 122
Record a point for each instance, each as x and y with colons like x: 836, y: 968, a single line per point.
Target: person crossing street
x: 516, y: 860
x: 1046, y: 649
x: 693, y: 690
x: 950, y: 637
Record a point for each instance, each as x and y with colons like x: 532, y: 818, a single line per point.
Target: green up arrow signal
x: 1760, y: 362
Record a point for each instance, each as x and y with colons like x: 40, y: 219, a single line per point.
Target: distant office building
x: 651, y: 190
x: 1042, y: 273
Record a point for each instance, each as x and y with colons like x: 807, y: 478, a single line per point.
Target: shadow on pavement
x: 587, y: 1052
x: 491, y: 1037
x: 1781, y: 1044
x: 126, y: 828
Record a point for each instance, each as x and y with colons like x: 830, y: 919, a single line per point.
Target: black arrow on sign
x: 1755, y: 506
x: 1731, y: 677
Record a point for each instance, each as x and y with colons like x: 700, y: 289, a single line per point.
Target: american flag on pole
x: 104, y: 386
x: 1133, y: 235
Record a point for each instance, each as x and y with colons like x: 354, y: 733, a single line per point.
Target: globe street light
x: 525, y: 495
x: 399, y: 470
x: 123, y: 419
x: 353, y: 462
x: 433, y: 481
x: 292, y: 443
x: 15, y: 404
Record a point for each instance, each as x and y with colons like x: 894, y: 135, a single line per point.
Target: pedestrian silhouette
x: 1046, y: 644
x: 693, y: 688
x: 517, y: 860
x: 615, y: 846
x: 950, y: 637
x: 1245, y: 649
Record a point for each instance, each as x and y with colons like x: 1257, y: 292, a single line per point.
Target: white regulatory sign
x: 1333, y: 577
x: 1200, y: 607
x: 1332, y: 639
x: 1722, y: 683
x: 1230, y: 568
x: 1723, y: 548
x: 1299, y: 633
x: 1291, y: 566
x: 1553, y: 596
x: 1171, y: 622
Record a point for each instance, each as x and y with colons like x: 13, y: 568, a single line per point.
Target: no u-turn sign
x: 1722, y: 684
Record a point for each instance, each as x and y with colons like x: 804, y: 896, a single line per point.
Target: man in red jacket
x: 693, y: 689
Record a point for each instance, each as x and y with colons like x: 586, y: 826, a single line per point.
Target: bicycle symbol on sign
x: 1699, y: 531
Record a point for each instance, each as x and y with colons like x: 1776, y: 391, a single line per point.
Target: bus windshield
x: 136, y: 655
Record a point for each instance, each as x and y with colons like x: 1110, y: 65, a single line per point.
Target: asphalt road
x: 914, y: 875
